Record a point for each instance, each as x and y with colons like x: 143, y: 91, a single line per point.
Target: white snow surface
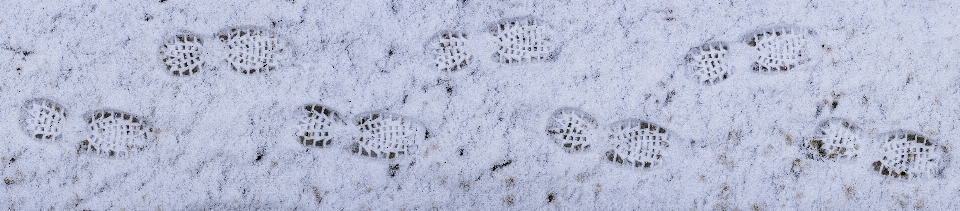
x: 225, y: 140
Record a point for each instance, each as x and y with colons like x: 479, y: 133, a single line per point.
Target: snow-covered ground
x: 221, y: 139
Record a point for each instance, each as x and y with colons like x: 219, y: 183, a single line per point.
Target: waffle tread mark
x: 449, y: 51
x: 387, y: 135
x: 573, y: 129
x: 115, y: 133
x: 638, y: 143
x: 183, y: 54
x: 839, y: 140
x: 911, y: 155
x: 318, y: 126
x: 780, y: 49
x: 43, y: 119
x: 252, y: 50
x: 709, y: 62
x: 522, y: 40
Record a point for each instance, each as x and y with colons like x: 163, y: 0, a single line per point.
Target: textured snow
x: 222, y: 139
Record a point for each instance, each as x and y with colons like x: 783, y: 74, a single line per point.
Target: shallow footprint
x: 252, y: 50
x: 573, y: 129
x: 387, y: 135
x: 42, y: 119
x: 114, y: 133
x: 781, y: 48
x: 638, y: 143
x: 449, y: 50
x: 319, y: 126
x: 839, y: 140
x: 183, y: 54
x: 709, y: 62
x: 523, y: 40
x: 911, y: 155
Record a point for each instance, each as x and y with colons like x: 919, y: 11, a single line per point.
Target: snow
x: 226, y: 140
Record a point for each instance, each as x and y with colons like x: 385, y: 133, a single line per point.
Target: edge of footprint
x: 813, y: 147
x: 431, y: 49
x: 909, y: 137
x: 418, y: 135
x: 287, y: 54
x: 149, y: 133
x: 46, y: 102
x: 182, y: 35
x: 695, y: 70
x: 620, y: 154
x: 559, y: 133
x: 809, y: 54
x: 550, y: 35
x: 307, y: 112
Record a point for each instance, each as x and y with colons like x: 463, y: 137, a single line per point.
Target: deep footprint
x: 839, y: 140
x: 387, y: 135
x: 709, y: 62
x: 523, y: 40
x: 252, y: 50
x: 319, y: 126
x: 42, y: 119
x: 638, y: 143
x: 572, y: 129
x: 183, y: 54
x: 449, y: 51
x: 115, y: 133
x: 911, y: 155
